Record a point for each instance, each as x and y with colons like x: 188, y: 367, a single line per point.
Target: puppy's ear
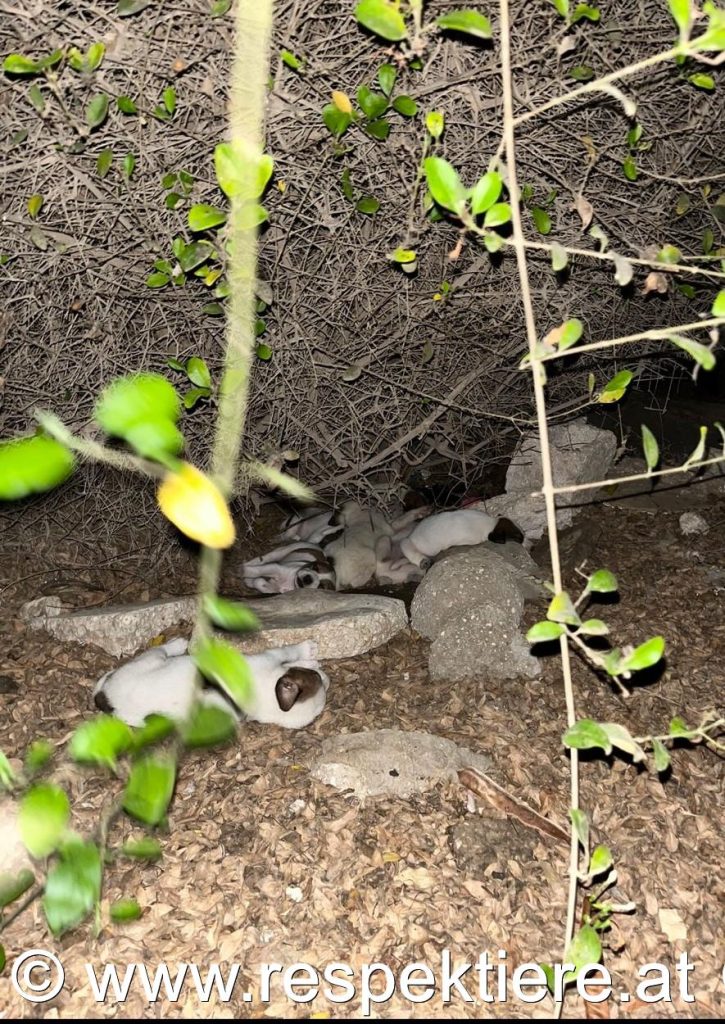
x: 506, y: 530
x: 103, y: 703
x: 287, y: 691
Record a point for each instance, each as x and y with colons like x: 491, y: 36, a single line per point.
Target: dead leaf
x: 672, y: 924
x: 416, y: 878
x: 585, y: 210
x: 477, y: 889
x: 655, y: 282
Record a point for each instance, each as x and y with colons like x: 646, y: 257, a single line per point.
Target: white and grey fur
x: 453, y: 529
x: 292, y: 567
x: 353, y: 552
x: 312, y: 525
x: 290, y: 688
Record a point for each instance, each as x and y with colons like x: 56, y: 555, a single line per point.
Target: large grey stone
x: 470, y: 605
x: 386, y: 762
x: 343, y: 625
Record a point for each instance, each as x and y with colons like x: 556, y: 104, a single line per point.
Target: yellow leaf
x: 342, y: 102
x: 196, y: 506
x: 282, y: 186
x: 390, y: 858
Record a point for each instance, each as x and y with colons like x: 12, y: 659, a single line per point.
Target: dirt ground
x: 263, y: 864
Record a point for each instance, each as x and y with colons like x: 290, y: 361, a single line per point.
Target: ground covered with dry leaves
x: 263, y: 864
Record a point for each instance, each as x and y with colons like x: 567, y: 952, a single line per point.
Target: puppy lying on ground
x: 292, y: 567
x: 290, y: 688
x: 453, y: 529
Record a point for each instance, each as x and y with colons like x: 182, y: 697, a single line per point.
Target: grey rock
x: 40, y: 608
x: 386, y: 762
x: 693, y: 522
x: 343, y: 625
x: 470, y: 605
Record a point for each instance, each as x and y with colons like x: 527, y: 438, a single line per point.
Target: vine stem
x: 250, y: 70
x: 509, y: 138
x: 655, y: 334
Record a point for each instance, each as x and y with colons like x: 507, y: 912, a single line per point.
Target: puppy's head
x: 506, y: 530
x: 297, y: 686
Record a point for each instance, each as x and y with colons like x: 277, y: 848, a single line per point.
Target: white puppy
x: 452, y: 529
x: 353, y: 553
x: 312, y: 525
x: 291, y: 567
x: 289, y: 688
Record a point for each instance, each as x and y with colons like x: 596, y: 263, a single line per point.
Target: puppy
x: 353, y: 553
x: 311, y: 525
x: 289, y: 568
x: 452, y: 529
x: 289, y: 687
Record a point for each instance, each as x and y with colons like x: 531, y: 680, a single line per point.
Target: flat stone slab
x: 387, y: 762
x: 343, y: 625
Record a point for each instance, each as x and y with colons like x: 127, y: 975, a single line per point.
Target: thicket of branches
x: 372, y: 371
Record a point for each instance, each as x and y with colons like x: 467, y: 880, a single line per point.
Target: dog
x: 289, y: 687
x: 453, y: 529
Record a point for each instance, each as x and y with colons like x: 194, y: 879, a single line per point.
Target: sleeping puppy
x: 291, y: 567
x: 353, y: 553
x: 311, y: 525
x: 452, y: 529
x: 289, y: 688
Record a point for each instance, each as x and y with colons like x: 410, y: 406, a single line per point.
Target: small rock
x: 386, y: 762
x: 693, y: 522
x: 40, y: 608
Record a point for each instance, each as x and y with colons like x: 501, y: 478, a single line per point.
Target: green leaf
x: 661, y: 755
x: 444, y: 184
x: 126, y: 8
x: 36, y: 97
x: 138, y: 398
x: 230, y: 615
x: 213, y: 309
x: 202, y: 217
x: 566, y: 335
x: 562, y: 609
x: 681, y: 11
x: 585, y: 948
x: 500, y: 213
x: 7, y: 775
x: 103, y: 162
x: 435, y: 123
x: 679, y: 729
x: 13, y: 886
x: 129, y: 162
x: 702, y: 81
x: 208, y: 727
x: 682, y: 205
x: 700, y: 353
x: 622, y: 739
x: 155, y: 439
x: 97, y: 111
x: 615, y: 388
x: 401, y: 255
x: 35, y: 204
x: 169, y: 98
x: 559, y: 257
x: 582, y: 11
x: 580, y: 825
x: 147, y: 848
x: 486, y: 192
x: 150, y: 787
x: 714, y: 37
x: 582, y: 73
x: 73, y: 886
x: 718, y: 306
x: 43, y: 816
x: 542, y: 220
x: 198, y: 372
x: 94, y: 56
x: 336, y: 121
x: 193, y: 255
x: 650, y: 447
x: 288, y: 58
x: 125, y: 910
x: 219, y: 8
x: 126, y: 105
x: 242, y: 172
x: 264, y: 352
x: 100, y: 741
x: 586, y: 734
x: 383, y: 18
x: 644, y: 656
x: 225, y: 666
x: 630, y: 169
x: 368, y: 205
x: 699, y: 451
x: 37, y: 755
x: 669, y: 254
x: 470, y: 23
x: 277, y: 480
x: 17, y: 64
x: 379, y: 129
x: 157, y: 280
x: 602, y: 582
x: 29, y: 465
x: 601, y: 860
x: 172, y: 200
x: 593, y: 627
x: 194, y: 395
x: 372, y: 104
x: 386, y: 78
x: 405, y: 106
x: 542, y: 632
x: 562, y: 7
